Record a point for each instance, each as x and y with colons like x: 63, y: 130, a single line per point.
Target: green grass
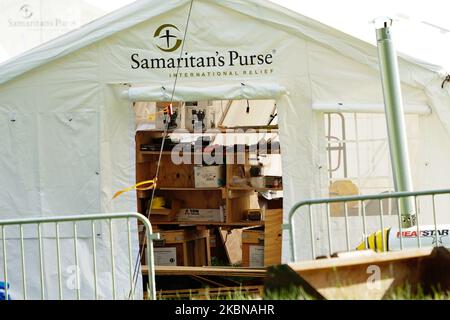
x: 407, y: 293
x: 295, y: 293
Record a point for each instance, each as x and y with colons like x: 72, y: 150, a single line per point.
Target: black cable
x: 447, y: 79
x: 273, y: 115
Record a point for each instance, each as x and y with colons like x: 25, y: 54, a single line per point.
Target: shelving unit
x: 176, y: 184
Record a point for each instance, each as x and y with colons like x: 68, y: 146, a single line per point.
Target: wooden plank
x: 209, y: 223
x: 180, y: 236
x: 232, y: 240
x: 161, y: 212
x: 360, y: 257
x: 190, y: 189
x: 273, y: 237
x: 207, y: 271
x: 255, y: 189
x: 253, y: 236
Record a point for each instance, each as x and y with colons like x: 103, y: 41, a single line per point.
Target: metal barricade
x: 359, y: 205
x: 74, y: 221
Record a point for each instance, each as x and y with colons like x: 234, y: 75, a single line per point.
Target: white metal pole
x: 395, y: 119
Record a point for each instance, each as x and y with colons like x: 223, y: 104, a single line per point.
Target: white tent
x: 24, y: 24
x: 67, y: 119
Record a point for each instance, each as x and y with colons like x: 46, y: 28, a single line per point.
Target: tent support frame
x: 395, y: 119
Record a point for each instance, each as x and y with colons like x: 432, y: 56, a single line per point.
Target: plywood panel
x: 272, y: 237
x: 233, y: 240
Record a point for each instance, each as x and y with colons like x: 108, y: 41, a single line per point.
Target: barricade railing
x: 17, y: 226
x: 381, y: 206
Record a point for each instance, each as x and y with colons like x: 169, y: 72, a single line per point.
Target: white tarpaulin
x: 67, y: 134
x: 224, y: 92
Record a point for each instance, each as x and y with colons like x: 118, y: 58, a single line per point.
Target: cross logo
x: 26, y: 11
x: 171, y: 41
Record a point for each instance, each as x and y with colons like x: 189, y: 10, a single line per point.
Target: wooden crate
x: 192, y: 247
x: 273, y: 237
x: 270, y: 239
x: 253, y: 248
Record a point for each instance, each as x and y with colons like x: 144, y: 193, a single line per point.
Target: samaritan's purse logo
x: 214, y: 63
x: 169, y: 42
x: 26, y: 11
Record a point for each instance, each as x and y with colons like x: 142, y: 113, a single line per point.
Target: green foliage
x: 407, y: 292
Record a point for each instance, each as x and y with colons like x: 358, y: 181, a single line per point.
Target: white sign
x: 165, y: 256
x: 256, y: 256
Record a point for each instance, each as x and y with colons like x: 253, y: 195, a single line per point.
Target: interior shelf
x: 218, y: 215
x: 254, y: 189
x: 190, y: 189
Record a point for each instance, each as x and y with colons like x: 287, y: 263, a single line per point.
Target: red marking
x: 407, y: 234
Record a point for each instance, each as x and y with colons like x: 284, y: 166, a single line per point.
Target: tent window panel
x: 357, y: 149
x: 371, y: 127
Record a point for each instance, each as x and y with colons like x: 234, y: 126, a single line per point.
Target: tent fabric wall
x: 81, y: 76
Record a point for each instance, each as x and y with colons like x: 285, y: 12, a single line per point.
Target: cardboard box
x: 256, y: 256
x: 253, y: 248
x: 165, y: 256
x: 182, y: 248
x: 209, y: 176
x: 211, y: 215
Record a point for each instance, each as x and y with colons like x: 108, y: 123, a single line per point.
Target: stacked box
x: 209, y: 176
x: 253, y: 248
x: 182, y: 248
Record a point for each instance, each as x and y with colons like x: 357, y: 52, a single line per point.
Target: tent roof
x: 140, y: 11
x: 20, y: 33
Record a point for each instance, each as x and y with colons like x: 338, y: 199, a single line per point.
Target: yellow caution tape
x: 141, y: 186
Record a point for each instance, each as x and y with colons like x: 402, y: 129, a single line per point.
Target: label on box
x: 208, y: 176
x: 165, y: 256
x: 256, y: 256
x: 215, y: 215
